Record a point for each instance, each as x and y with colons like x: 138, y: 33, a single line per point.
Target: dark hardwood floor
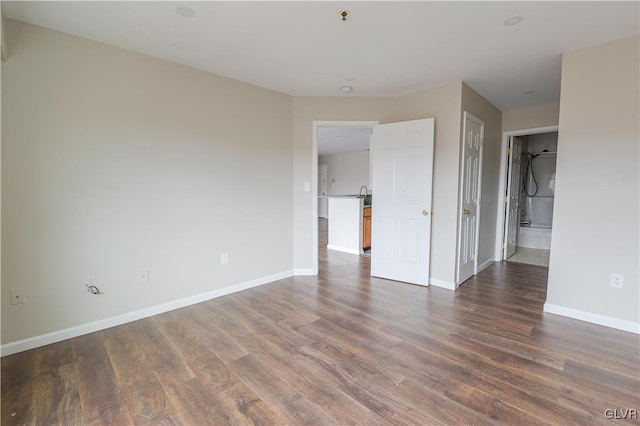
x: 340, y: 348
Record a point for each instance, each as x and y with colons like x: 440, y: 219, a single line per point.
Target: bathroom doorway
x: 529, y: 197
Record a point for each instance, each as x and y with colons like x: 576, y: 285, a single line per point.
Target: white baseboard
x: 443, y: 284
x: 68, y: 333
x: 449, y: 285
x: 616, y: 323
x: 304, y: 272
x: 343, y: 249
x: 484, y: 265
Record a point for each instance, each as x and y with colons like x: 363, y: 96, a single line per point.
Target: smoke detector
x: 346, y: 89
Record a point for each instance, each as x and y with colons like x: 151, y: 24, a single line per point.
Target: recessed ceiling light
x: 514, y: 20
x: 185, y: 11
x: 346, y: 89
x: 529, y: 92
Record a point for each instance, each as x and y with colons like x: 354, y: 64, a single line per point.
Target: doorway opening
x: 527, y: 196
x: 335, y: 142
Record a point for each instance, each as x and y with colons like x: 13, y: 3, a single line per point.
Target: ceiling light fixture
x: 346, y: 89
x: 344, y: 14
x: 514, y: 20
x: 185, y: 11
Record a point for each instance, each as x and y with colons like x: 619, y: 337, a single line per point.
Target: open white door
x: 512, y: 218
x: 402, y: 175
x: 469, y: 216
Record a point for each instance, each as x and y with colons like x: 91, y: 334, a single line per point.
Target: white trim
x: 79, y: 330
x: 303, y: 272
x: 484, y: 265
x: 442, y: 284
x: 619, y: 324
x: 342, y: 249
x: 314, y: 179
x: 502, y: 182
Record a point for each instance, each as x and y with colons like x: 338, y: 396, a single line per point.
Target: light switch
x: 307, y: 186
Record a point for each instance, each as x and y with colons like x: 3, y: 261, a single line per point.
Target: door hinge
x: 478, y: 202
x: 504, y: 246
x: 506, y: 199
x: 510, y: 150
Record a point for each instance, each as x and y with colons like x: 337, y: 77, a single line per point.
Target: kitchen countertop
x: 355, y: 196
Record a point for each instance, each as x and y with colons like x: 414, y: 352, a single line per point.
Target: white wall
x: 114, y: 162
x: 596, y: 226
x: 541, y: 141
x: 346, y: 172
x: 539, y: 208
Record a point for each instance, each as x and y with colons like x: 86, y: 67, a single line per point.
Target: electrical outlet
x: 17, y: 296
x: 307, y: 186
x: 143, y: 275
x: 224, y: 258
x: 617, y: 280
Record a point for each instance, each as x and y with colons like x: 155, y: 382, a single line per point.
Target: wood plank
x: 289, y: 404
x: 340, y: 348
x: 56, y: 396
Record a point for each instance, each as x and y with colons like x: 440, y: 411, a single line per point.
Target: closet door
x: 513, y: 198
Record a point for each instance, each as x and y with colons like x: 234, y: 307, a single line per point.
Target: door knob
x: 465, y: 211
x: 425, y: 213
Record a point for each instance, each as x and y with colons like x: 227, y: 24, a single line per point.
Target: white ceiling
x: 390, y: 48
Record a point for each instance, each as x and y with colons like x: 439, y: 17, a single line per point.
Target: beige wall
x: 444, y: 104
x: 530, y: 118
x: 305, y: 111
x: 2, y: 42
x: 4, y: 47
x: 346, y: 172
x: 478, y: 106
x: 595, y: 221
x: 114, y: 162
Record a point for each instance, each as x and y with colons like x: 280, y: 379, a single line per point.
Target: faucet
x: 366, y: 191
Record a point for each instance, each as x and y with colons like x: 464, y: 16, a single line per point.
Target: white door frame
x: 502, y: 183
x: 466, y: 115
x: 314, y: 179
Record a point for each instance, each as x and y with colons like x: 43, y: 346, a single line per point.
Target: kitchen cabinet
x: 366, y: 228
